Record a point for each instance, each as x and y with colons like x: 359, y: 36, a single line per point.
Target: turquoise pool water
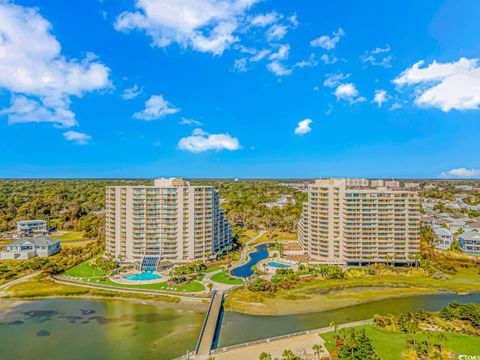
x: 276, y: 264
x: 144, y: 276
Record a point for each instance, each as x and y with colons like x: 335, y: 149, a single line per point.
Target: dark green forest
x: 78, y: 204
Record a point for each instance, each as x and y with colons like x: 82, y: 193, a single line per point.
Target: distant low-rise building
x: 470, y: 242
x: 392, y: 184
x: 357, y: 182
x: 281, y: 203
x: 29, y: 227
x: 456, y: 224
x: 377, y: 183
x: 411, y: 185
x: 444, y: 238
x: 465, y: 187
x: 27, y: 248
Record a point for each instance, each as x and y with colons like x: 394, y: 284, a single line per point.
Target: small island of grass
x: 224, y: 278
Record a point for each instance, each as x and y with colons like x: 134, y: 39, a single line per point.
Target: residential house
x: 29, y: 227
x: 27, y: 248
x: 443, y: 239
x: 470, y: 242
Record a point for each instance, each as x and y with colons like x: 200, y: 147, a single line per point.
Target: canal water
x: 259, y: 254
x: 94, y: 329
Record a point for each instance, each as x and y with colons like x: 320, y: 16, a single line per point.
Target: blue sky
x: 239, y: 88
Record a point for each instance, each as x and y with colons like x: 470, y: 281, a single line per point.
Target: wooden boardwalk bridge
x: 209, y: 328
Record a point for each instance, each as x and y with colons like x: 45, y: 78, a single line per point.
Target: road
x: 18, y: 281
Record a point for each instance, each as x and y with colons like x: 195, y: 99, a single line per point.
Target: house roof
x: 470, y: 235
x: 22, y: 222
x: 441, y: 231
x: 37, y: 241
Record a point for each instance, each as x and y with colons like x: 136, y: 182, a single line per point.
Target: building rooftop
x: 37, y: 241
x: 21, y: 222
x: 470, y: 235
x: 442, y: 231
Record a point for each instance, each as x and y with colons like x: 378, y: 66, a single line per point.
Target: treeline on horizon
x: 66, y: 204
x: 78, y: 204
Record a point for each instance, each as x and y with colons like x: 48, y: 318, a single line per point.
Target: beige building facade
x: 169, y: 221
x: 345, y: 225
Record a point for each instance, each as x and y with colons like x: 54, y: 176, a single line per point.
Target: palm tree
x: 318, y: 350
x: 210, y: 287
x: 334, y: 325
x: 265, y: 356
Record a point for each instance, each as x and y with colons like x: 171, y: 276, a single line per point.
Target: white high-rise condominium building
x: 169, y: 221
x: 346, y: 225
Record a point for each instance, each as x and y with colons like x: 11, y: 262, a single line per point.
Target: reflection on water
x: 258, y: 255
x: 79, y: 329
x: 238, y: 328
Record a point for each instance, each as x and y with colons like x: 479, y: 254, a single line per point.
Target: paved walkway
x: 216, y: 286
x: 180, y: 295
x: 20, y: 280
x: 301, y: 344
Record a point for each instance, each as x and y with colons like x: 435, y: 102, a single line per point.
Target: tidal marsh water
x: 111, y: 329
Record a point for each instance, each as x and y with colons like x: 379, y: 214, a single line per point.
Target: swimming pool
x: 144, y: 276
x: 276, y: 264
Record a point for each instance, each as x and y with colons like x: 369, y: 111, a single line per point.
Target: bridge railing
x: 205, y: 322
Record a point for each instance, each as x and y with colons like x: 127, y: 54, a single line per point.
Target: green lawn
x: 69, y: 236
x: 84, y: 270
x: 276, y: 235
x: 91, y: 274
x: 389, y: 346
x: 212, y: 269
x: 224, y: 278
x: 193, y: 286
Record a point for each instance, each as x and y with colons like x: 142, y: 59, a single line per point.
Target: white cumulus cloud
x: 263, y: 20
x: 206, y: 26
x: 446, y: 86
x: 328, y: 42
x: 378, y: 57
x: 277, y: 32
x: 333, y: 80
x: 326, y: 59
x: 78, y: 137
x: 380, y: 97
x: 155, y: 108
x: 279, y: 69
x: 303, y: 127
x: 33, y: 69
x: 461, y: 173
x: 24, y: 110
x: 349, y: 93
x: 201, y: 141
x: 132, y: 93
x: 190, y: 122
